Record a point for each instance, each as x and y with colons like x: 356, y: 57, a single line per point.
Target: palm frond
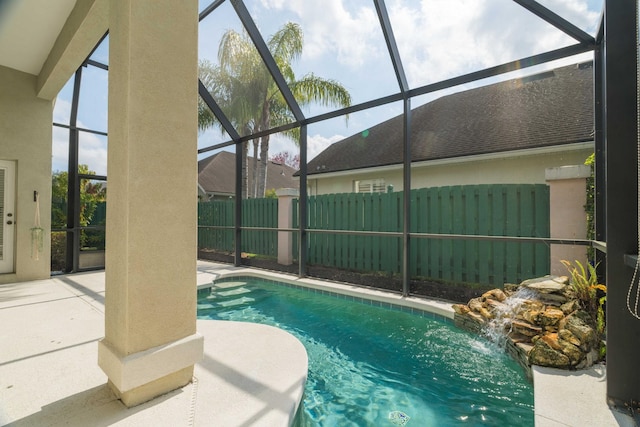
x: 286, y: 44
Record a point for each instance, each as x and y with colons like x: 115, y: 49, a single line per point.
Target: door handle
x: 9, y: 222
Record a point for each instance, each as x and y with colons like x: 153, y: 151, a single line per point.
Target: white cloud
x: 315, y: 144
x: 60, y: 149
x: 437, y: 39
x: 577, y: 12
x: 61, y: 111
x: 351, y: 36
x: 318, y: 143
x: 92, y: 150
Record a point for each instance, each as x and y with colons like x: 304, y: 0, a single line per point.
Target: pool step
x: 236, y: 291
x: 235, y: 302
x: 230, y: 284
x: 230, y: 295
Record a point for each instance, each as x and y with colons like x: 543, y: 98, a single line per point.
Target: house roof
x: 216, y: 174
x: 547, y: 109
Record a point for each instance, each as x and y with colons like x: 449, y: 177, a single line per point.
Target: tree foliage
x: 91, y: 194
x: 243, y: 87
x: 287, y: 158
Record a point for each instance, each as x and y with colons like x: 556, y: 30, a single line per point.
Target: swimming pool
x: 369, y: 365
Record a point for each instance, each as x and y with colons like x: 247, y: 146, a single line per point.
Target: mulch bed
x: 422, y: 288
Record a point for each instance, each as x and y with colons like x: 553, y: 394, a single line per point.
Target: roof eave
x: 582, y: 145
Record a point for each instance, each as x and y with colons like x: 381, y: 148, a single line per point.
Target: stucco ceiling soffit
x: 87, y: 23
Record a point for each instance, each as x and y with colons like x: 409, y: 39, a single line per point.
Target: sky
x: 437, y: 39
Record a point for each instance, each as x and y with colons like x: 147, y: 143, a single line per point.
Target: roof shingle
x: 546, y: 109
x: 216, y: 174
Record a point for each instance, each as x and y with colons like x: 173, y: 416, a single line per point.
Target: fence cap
x: 567, y: 172
x: 291, y: 192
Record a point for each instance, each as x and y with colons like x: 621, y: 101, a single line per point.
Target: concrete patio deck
x: 251, y: 375
x: 49, y: 374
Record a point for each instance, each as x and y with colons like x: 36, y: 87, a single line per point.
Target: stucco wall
x: 25, y: 132
x: 529, y: 169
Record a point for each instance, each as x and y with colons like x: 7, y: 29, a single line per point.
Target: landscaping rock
x: 566, y: 335
x: 550, y: 317
x: 526, y: 328
x: 547, y: 284
x: 570, y: 307
x: 495, y: 294
x: 543, y: 355
x: 542, y: 327
x: 583, y: 332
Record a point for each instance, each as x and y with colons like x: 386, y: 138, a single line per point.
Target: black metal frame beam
x: 518, y: 64
x: 207, y: 10
x: 392, y: 46
x: 621, y: 136
x: 96, y: 132
x: 72, y: 254
x: 217, y: 111
x: 401, y: 77
x: 237, y: 247
x: 434, y: 236
x: 586, y: 43
x: 97, y: 64
x: 600, y: 150
x: 557, y: 21
x: 302, y: 206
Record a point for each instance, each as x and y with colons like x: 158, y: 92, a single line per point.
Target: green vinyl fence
x: 493, y: 210
x: 255, y: 213
x: 518, y: 210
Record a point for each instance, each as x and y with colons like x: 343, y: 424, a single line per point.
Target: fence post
x: 285, y: 220
x: 567, y: 217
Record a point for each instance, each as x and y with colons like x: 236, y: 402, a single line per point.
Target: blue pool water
x: 369, y: 365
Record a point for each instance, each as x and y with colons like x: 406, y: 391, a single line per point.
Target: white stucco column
x: 568, y: 219
x: 285, y: 220
x: 151, y: 343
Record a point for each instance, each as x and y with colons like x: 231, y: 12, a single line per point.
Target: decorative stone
x: 566, y: 335
x: 486, y: 313
x: 476, y: 317
x: 496, y: 306
x: 460, y: 308
x: 570, y: 307
x: 475, y: 304
x: 531, y: 305
x: 550, y: 317
x: 495, y: 294
x: 571, y: 351
x: 541, y: 326
x: 531, y: 316
x: 547, y: 284
x: 526, y: 348
x: 553, y: 299
x: 552, y: 341
x: 543, y: 355
x: 519, y: 338
x: 510, y: 287
x: 525, y: 328
x: 585, y: 333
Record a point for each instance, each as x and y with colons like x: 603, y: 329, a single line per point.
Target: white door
x: 7, y: 214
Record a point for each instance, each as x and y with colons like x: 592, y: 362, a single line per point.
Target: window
x: 370, y: 186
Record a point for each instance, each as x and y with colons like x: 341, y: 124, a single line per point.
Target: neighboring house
x: 504, y: 133
x: 216, y: 176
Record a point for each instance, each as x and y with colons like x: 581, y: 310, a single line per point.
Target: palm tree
x: 228, y: 93
x: 242, y: 74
